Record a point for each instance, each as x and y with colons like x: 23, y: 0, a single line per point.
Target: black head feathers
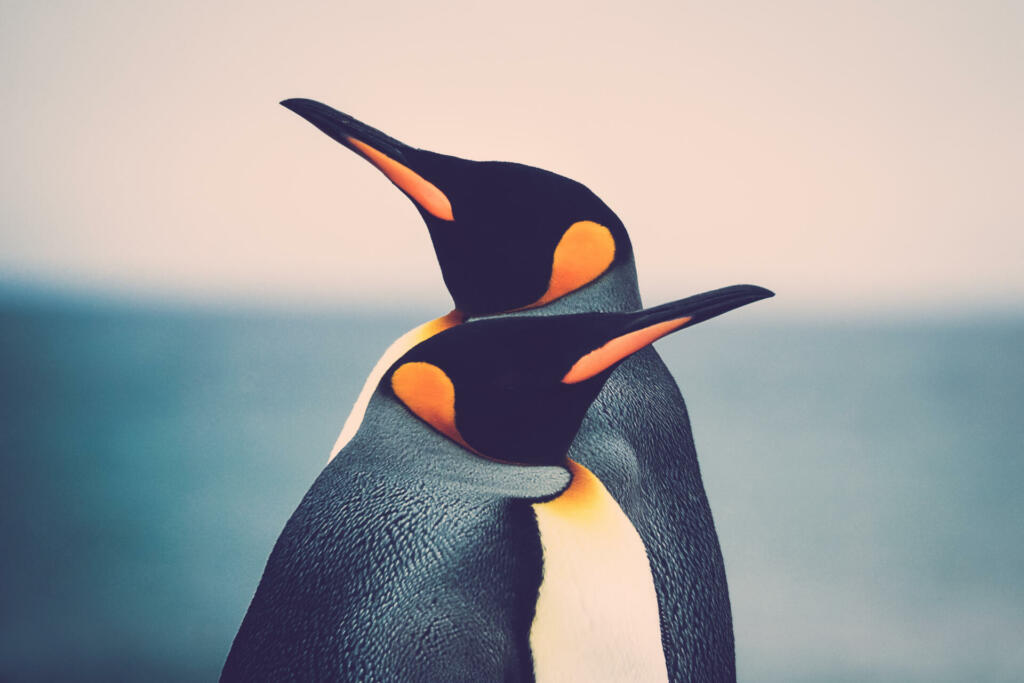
x: 507, y: 236
x: 516, y: 388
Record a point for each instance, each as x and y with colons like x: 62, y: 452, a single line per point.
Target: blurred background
x: 194, y: 282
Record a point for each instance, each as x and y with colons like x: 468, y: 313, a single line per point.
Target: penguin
x: 455, y: 538
x: 513, y: 240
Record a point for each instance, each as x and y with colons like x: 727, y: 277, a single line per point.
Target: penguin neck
x: 616, y: 291
x: 393, y: 442
x: 407, y: 438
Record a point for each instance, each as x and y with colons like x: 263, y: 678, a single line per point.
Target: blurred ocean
x: 866, y: 481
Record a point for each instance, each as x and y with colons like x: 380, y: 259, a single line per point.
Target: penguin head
x: 516, y: 389
x: 507, y: 236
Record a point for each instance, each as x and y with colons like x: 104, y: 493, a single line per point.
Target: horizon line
x: 17, y: 291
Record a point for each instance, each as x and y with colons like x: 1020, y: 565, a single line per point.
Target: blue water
x: 866, y: 483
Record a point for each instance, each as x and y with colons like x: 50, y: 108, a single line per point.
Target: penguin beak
x: 390, y: 156
x: 645, y: 327
x: 343, y: 128
x: 700, y: 307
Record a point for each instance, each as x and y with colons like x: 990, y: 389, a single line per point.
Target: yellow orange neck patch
x: 428, y: 392
x: 422, y: 191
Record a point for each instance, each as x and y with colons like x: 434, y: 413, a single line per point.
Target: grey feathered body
x: 409, y: 559
x: 412, y: 559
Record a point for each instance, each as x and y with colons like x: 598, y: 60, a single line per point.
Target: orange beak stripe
x: 602, y: 358
x: 422, y: 191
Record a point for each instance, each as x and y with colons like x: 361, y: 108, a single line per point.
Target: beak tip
x: 749, y: 293
x: 295, y: 104
x: 343, y: 128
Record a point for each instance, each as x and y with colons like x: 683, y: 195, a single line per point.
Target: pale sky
x: 849, y: 155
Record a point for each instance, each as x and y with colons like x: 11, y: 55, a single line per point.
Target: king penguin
x: 516, y: 240
x: 455, y: 538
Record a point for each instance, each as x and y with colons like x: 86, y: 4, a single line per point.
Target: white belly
x: 597, y: 612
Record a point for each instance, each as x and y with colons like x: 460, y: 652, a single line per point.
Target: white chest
x: 597, y: 611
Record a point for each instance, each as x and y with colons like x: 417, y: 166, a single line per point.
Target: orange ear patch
x: 602, y: 358
x: 582, y: 255
x: 429, y: 393
x: 422, y: 191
